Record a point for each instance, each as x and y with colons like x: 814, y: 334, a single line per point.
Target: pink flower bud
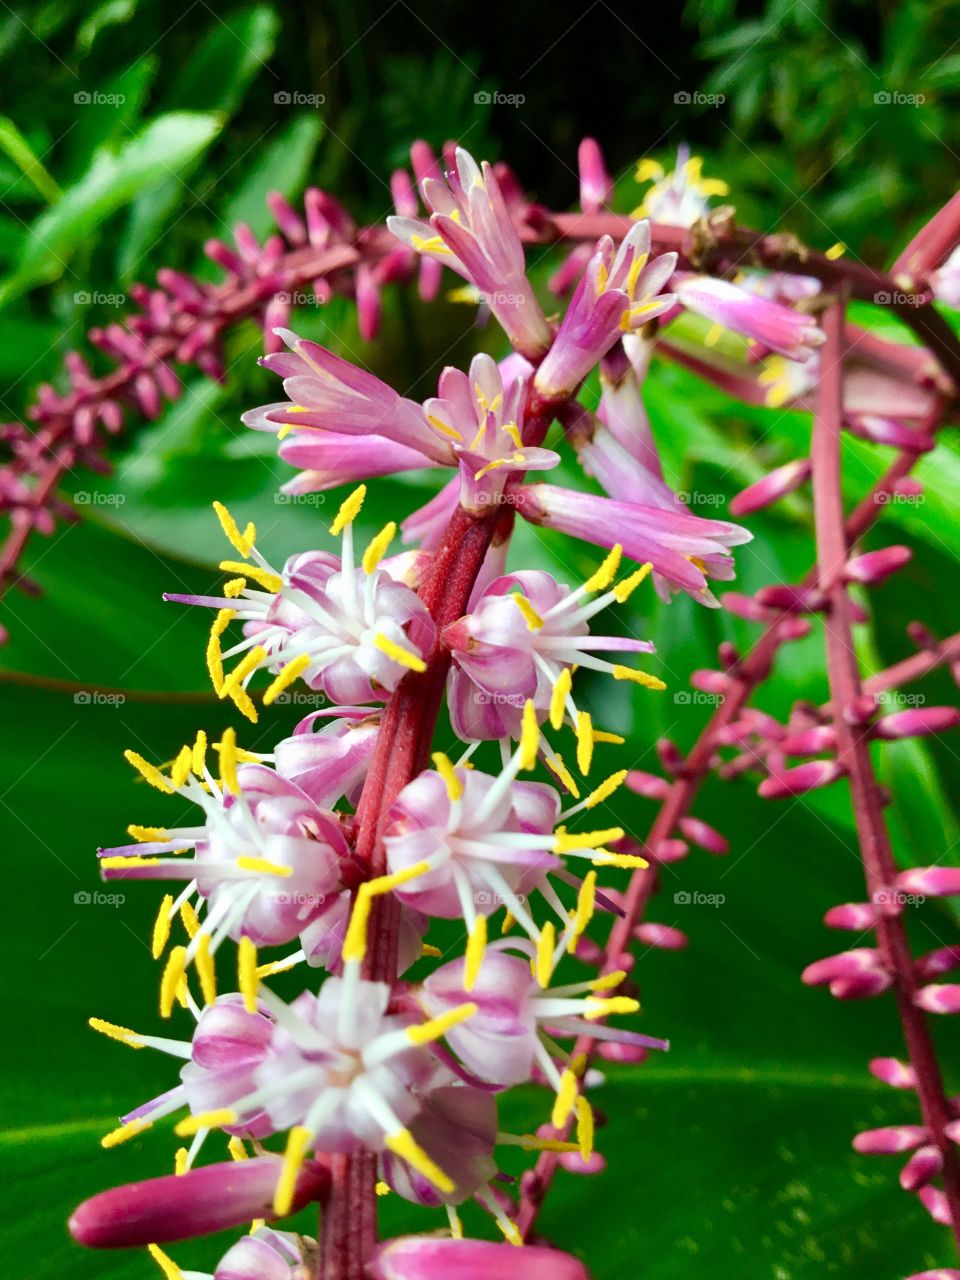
x: 670, y: 756
x: 794, y: 629
x: 704, y: 835
x: 629, y: 1053
x: 861, y: 710
x: 862, y: 986
x: 943, y: 997
x: 891, y: 1071
x: 806, y: 777
x: 573, y: 1162
x: 744, y: 607
x: 855, y: 916
x: 709, y: 681
x: 434, y: 1258
x: 810, y: 742
x: 596, y: 185
x: 941, y: 1273
x: 937, y: 1205
x: 876, y: 565
x: 662, y: 937
x: 936, y: 963
x: 647, y: 785
x: 889, y: 431
x: 771, y: 488
x: 921, y: 1168
x: 790, y: 599
x: 933, y: 882
x: 727, y: 654
x: 889, y: 1141
x: 845, y: 964
x: 917, y: 722
x: 671, y: 850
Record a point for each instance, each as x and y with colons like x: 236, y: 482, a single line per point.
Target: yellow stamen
x: 398, y: 653
x: 594, y: 1007
x: 531, y: 617
x: 429, y: 244
x: 198, y: 756
x: 169, y: 983
x: 247, y: 973
x: 236, y: 1148
x: 214, y: 656
x: 529, y: 736
x: 444, y: 767
x: 234, y: 588
x: 293, y: 1158
x: 207, y: 970
x: 585, y: 1127
x: 565, y: 1100
x: 564, y: 841
x: 349, y: 510
x: 605, y: 789
x: 427, y: 1032
x: 513, y: 431
x: 275, y: 966
x: 641, y: 678
x: 382, y: 1188
x: 439, y: 425
x: 836, y: 251
x: 631, y: 860
x: 511, y: 1232
x: 559, y: 769
x: 616, y: 738
x: 149, y: 772
x: 607, y: 571
x: 543, y: 967
x: 190, y: 919
x: 245, y: 667
x: 242, y: 542
x: 205, y: 1120
x: 161, y: 927
x: 530, y: 1142
x: 623, y: 590
x: 491, y: 466
x: 355, y: 941
x: 182, y: 767
x: 228, y: 760
x: 123, y: 1034
x: 269, y: 581
x: 263, y: 866
x: 713, y: 335
x: 607, y: 981
x: 166, y: 1264
x: 243, y: 702
x: 120, y: 861
x: 126, y: 1131
x: 508, y: 921
x: 378, y: 547
x: 145, y: 834
x: 584, y: 742
x: 288, y: 674
x: 476, y: 947
x: 257, y: 1224
x: 402, y: 1144
x: 558, y: 698
x: 428, y: 949
x: 456, y: 1226
x: 180, y: 1161
x: 586, y: 900
x: 648, y: 170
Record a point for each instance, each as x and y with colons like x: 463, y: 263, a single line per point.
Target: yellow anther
x: 123, y: 1034
x: 146, y: 834
x: 586, y: 901
x: 428, y: 949
x: 429, y: 244
x: 236, y: 1148
x: 648, y: 170
x: 605, y: 789
x: 608, y: 981
x: 511, y: 1232
x: 271, y: 582
x: 585, y: 1127
x: 427, y: 1032
x: 180, y: 1161
x: 713, y: 335
x: 584, y: 741
x: 456, y: 1226
x: 513, y: 431
x: 543, y: 966
x: 245, y: 667
x: 182, y: 993
x: 355, y: 939
x: 349, y: 510
x: 206, y: 969
x: 257, y: 1224
x: 638, y: 677
x: 529, y: 736
x: 205, y: 1120
x: 276, y: 966
x: 234, y: 587
x: 247, y: 973
x: 161, y: 927
x: 476, y: 948
x: 263, y: 866
x: 149, y: 772
x: 444, y: 428
x: 190, y: 919
x: 382, y: 1188
x: 836, y: 251
x: 170, y: 982
x: 166, y: 1264
x: 623, y: 590
x: 244, y: 703
x: 198, y: 756
x: 378, y: 547
x: 293, y: 1157
x: 228, y: 761
x: 398, y: 653
x: 596, y: 1007
x: 121, y: 861
x: 633, y: 861
x: 558, y: 698
x: 491, y: 466
x: 214, y: 656
x: 559, y: 769
x: 531, y: 617
x: 564, y: 841
x: 402, y: 1144
x: 448, y: 773
x: 616, y: 738
x: 530, y: 1142
x: 241, y: 542
x: 565, y: 1100
x: 182, y: 767
x: 126, y: 1131
x: 607, y: 571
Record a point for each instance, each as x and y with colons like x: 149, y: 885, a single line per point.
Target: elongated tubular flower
x: 471, y: 231
x: 470, y: 842
x: 775, y: 327
x: 195, y: 1203
x: 353, y: 631
x: 457, y: 1128
x: 264, y: 857
x: 678, y: 545
x: 523, y: 633
x: 679, y: 198
x: 617, y: 293
x: 519, y: 1014
x: 434, y: 1258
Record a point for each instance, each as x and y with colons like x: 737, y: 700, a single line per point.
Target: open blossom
x: 471, y: 231
x: 618, y: 292
x: 351, y: 630
x: 679, y: 198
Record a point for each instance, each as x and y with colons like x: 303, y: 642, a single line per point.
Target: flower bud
x: 891, y: 1071
x: 889, y: 1141
x: 941, y: 997
x: 875, y: 566
x: 771, y: 488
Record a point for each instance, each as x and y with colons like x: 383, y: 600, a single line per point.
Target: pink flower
x: 774, y: 327
x: 457, y: 1128
x: 679, y: 198
x: 434, y: 1258
x: 471, y: 231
